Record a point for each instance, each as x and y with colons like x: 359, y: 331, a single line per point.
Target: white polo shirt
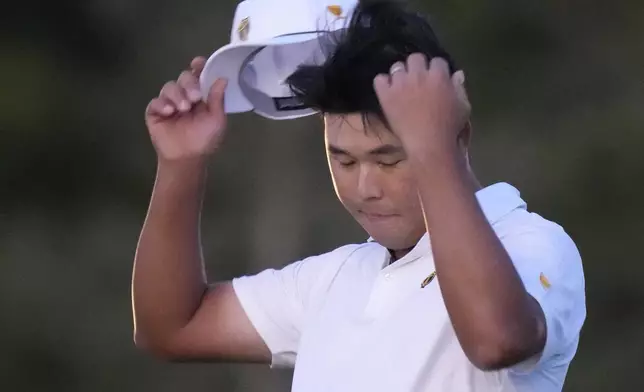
x: 349, y: 321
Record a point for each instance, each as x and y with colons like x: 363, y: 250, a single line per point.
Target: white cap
x: 269, y: 39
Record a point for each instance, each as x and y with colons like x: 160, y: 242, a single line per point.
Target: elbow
x: 503, y: 351
x: 505, y: 344
x: 140, y: 342
x: 157, y: 348
x: 491, y: 357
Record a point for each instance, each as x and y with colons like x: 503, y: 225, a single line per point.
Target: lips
x: 376, y: 215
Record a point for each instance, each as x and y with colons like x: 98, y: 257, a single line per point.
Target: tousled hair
x: 379, y: 33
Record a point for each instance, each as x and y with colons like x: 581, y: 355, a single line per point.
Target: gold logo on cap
x: 335, y: 10
x: 544, y: 281
x: 243, y: 29
x: 428, y: 280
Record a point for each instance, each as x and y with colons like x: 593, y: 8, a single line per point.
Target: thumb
x: 216, y: 98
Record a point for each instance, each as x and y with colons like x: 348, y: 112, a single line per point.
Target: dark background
x: 557, y: 89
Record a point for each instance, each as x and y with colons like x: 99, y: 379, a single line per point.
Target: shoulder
x: 550, y: 267
x: 547, y: 260
x: 545, y: 257
x: 309, y: 276
x: 529, y: 232
x: 340, y: 254
x: 329, y: 264
x: 310, y: 273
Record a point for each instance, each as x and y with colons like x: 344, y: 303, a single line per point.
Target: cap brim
x: 227, y: 62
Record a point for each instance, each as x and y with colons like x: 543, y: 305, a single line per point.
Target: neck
x: 474, y: 182
x: 398, y: 254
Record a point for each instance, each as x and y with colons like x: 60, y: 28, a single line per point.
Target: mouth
x: 375, y: 216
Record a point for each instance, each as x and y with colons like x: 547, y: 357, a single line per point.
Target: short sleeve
x: 550, y: 267
x: 279, y: 301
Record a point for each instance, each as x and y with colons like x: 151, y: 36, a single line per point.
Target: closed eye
x: 346, y: 163
x: 343, y: 159
x: 389, y: 164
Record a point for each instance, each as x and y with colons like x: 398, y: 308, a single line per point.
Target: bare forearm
x: 169, y: 278
x: 428, y: 109
x: 483, y: 293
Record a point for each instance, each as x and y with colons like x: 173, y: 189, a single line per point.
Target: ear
x: 464, y: 138
x: 465, y: 135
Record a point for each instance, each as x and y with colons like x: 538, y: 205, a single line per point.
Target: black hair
x: 379, y: 33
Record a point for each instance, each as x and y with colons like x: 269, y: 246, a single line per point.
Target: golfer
x: 458, y: 285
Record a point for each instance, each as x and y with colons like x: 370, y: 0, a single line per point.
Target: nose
x: 369, y: 186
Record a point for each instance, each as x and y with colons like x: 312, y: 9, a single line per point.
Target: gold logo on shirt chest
x: 428, y: 280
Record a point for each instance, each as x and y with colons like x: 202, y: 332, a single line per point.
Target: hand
x: 424, y: 106
x: 181, y: 125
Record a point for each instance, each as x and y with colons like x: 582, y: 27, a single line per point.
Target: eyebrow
x: 386, y: 149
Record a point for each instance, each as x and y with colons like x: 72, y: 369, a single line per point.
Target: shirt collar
x: 496, y: 201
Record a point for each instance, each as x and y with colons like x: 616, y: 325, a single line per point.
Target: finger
x: 380, y: 84
x: 190, y: 85
x: 176, y: 95
x: 397, y: 71
x: 196, y: 65
x: 438, y: 64
x: 216, y: 98
x: 416, y: 62
x: 160, y: 108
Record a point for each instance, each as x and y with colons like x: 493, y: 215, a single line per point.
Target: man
x: 459, y: 288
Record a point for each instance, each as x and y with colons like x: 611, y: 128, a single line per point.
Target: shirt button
x: 387, y: 276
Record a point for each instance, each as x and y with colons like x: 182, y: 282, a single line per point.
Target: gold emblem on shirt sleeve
x: 335, y: 10
x: 544, y: 281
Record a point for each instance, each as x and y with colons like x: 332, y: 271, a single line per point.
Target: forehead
x: 351, y: 133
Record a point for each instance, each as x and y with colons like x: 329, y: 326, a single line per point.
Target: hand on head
x: 423, y: 104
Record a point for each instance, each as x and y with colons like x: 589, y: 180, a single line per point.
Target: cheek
x: 403, y: 192
x: 344, y: 184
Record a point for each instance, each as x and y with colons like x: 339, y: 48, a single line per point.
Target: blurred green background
x: 558, y: 94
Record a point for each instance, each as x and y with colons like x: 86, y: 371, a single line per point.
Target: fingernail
x: 184, y: 106
x: 167, y: 109
x: 195, y: 95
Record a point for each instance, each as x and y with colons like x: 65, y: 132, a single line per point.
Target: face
x: 373, y: 180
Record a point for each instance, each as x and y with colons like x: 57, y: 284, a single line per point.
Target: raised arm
x: 497, y: 322
x: 177, y: 314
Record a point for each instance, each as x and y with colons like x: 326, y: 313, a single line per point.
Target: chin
x: 394, y: 242
x: 393, y: 233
